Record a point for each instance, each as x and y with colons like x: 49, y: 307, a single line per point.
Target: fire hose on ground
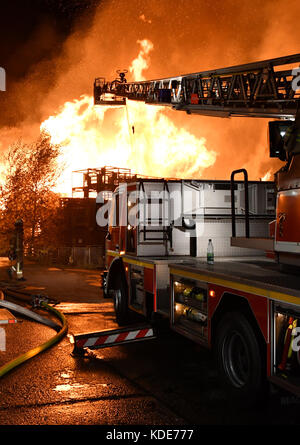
x: 61, y: 330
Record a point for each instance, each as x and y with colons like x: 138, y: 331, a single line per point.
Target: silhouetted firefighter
x: 16, y: 251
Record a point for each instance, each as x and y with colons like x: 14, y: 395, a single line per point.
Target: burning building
x: 81, y: 241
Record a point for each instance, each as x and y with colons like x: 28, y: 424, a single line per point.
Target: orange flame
x: 139, y: 136
x: 267, y: 176
x: 141, y: 62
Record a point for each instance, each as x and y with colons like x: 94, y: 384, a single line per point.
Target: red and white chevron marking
x: 113, y: 338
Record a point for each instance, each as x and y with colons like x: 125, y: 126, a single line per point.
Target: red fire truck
x: 245, y: 307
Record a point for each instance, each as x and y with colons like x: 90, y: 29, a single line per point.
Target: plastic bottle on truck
x: 210, y: 252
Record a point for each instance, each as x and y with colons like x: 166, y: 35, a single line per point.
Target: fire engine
x: 245, y: 308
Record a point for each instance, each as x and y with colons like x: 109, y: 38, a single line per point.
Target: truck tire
x: 121, y: 304
x: 239, y: 358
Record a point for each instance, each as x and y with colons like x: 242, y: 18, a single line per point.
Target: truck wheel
x: 121, y: 304
x: 239, y: 358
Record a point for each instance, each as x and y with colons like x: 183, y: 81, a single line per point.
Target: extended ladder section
x: 264, y: 89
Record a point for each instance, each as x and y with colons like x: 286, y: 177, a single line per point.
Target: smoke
x: 187, y: 36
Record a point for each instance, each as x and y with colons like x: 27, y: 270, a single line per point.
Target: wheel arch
x: 115, y: 273
x: 231, y: 302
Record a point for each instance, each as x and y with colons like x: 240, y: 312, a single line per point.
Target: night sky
x: 31, y: 32
x: 20, y: 22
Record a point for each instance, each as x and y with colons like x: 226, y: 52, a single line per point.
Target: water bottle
x: 210, y: 252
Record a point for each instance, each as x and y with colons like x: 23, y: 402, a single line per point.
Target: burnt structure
x: 78, y: 223
x: 78, y: 213
x: 95, y: 180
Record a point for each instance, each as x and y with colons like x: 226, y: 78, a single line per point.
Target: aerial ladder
x: 264, y: 89
x: 259, y: 89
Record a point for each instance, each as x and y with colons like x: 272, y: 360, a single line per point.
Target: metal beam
x: 258, y: 89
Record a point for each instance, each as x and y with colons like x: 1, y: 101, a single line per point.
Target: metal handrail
x: 232, y: 183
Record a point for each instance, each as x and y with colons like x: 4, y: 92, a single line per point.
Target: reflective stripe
x: 113, y: 338
x: 90, y: 341
x: 236, y: 285
x: 132, y: 335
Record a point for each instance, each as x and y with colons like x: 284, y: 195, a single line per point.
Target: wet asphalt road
x: 167, y: 381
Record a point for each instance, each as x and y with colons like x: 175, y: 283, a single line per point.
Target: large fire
x: 139, y: 136
x: 182, y: 37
